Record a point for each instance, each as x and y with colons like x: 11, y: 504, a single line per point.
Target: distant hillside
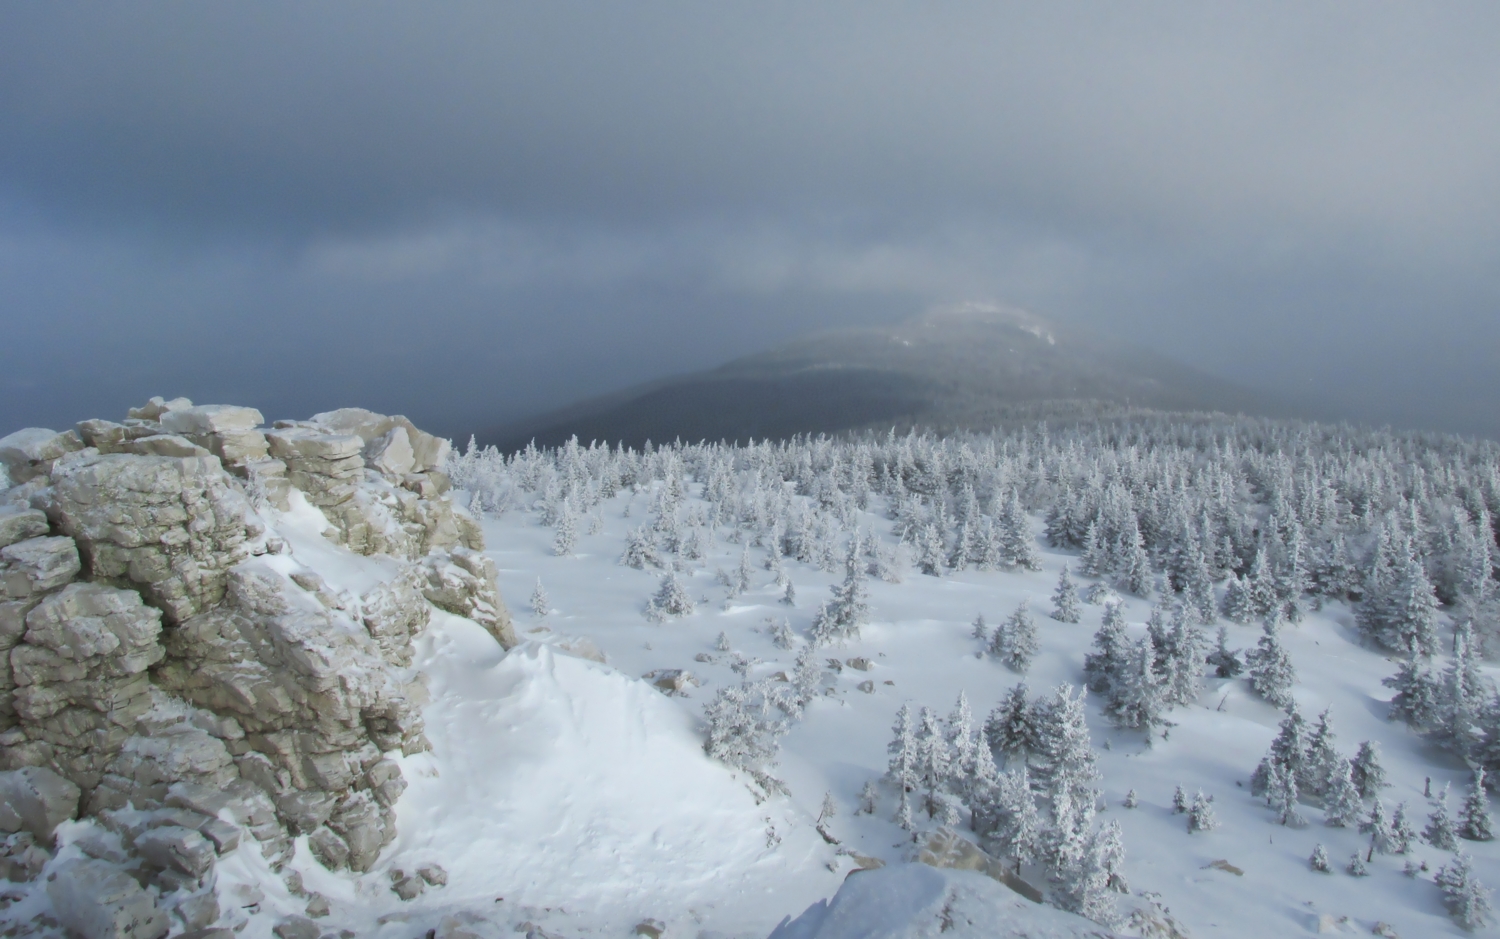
x: 971, y: 366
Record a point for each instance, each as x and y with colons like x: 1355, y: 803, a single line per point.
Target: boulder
x: 104, y: 436
x: 31, y: 452
x: 36, y: 800
x: 296, y: 927
x: 172, y: 526
x: 391, y: 454
x: 173, y: 847
x: 463, y: 583
x: 21, y: 858
x: 211, y: 419
x: 37, y: 565
x: 19, y: 523
x: 166, y: 445
x: 153, y: 410
x: 428, y: 452
x: 97, y: 900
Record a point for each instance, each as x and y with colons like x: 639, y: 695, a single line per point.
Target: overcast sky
x: 469, y: 212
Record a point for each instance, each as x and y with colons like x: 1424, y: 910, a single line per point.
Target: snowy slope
x: 923, y: 653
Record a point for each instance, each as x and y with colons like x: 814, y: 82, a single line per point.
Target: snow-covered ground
x: 588, y: 813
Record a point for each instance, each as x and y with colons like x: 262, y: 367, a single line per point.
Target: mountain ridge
x: 967, y: 366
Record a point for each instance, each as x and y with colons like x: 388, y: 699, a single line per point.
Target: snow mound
x: 905, y: 901
x: 559, y: 782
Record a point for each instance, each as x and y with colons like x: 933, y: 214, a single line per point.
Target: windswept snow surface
x: 560, y: 783
x: 921, y: 646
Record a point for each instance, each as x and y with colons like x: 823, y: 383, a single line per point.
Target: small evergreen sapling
x: 1201, y: 816
x: 1368, y: 774
x: 1226, y: 661
x: 1440, y: 832
x: 1020, y: 639
x: 1179, y: 801
x: 1474, y: 818
x: 1341, y: 803
x: 1378, y: 827
x: 1131, y: 800
x: 1402, y: 832
x: 1065, y: 607
x: 541, y: 605
x: 671, y: 599
x: 1319, y: 859
x: 867, y: 798
x: 1356, y: 866
x: 1271, y: 672
x: 1467, y: 899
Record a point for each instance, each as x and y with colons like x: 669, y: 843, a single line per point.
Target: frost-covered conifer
x: 1182, y: 664
x: 1281, y: 792
x: 1093, y: 562
x: 1019, y: 632
x: 902, y: 769
x: 640, y: 550
x: 806, y: 677
x: 1236, y: 604
x: 1086, y: 884
x: 1010, y: 729
x: 1104, y: 667
x: 841, y: 617
x: 1341, y: 802
x: 1356, y: 866
x: 930, y: 552
x: 565, y: 539
x: 1467, y: 899
x: 671, y: 599
x: 722, y: 643
x: 1065, y: 608
x: 742, y: 732
x: 1402, y: 832
x: 1063, y: 755
x: 1322, y: 757
x: 541, y: 605
x: 1440, y: 832
x: 1417, y: 694
x: 1319, y: 859
x: 1368, y: 774
x: 1271, y: 672
x: 868, y: 796
x: 1289, y: 749
x: 1018, y: 547
x: 1136, y: 697
x: 981, y: 631
x: 933, y: 758
x: 1179, y: 801
x: 829, y: 809
x: 961, y: 743
x: 781, y: 633
x: 1474, y: 817
x: 1201, y: 816
x: 789, y: 596
x: 1378, y: 827
x: 1226, y: 661
x: 1015, y: 830
x: 1131, y: 800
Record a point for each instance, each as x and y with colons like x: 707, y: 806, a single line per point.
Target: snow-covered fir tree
x: 1440, y: 831
x: 1017, y: 639
x: 1341, y: 801
x: 1065, y: 607
x: 1367, y: 771
x: 1112, y: 653
x: 1227, y: 662
x: 541, y: 604
x: 841, y: 617
x: 1467, y: 899
x: 1474, y: 821
x: 1201, y: 816
x: 1010, y: 729
x: 1319, y: 860
x: 671, y: 599
x: 1272, y: 674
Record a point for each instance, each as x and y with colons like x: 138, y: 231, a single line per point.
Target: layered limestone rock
x: 169, y: 670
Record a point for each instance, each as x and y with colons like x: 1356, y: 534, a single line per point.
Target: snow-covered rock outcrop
x: 174, y: 674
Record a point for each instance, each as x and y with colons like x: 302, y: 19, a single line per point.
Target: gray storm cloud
x: 468, y: 211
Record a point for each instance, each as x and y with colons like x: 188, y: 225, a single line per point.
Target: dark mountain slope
x: 963, y: 367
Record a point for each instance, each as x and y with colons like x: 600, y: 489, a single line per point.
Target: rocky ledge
x: 176, y: 679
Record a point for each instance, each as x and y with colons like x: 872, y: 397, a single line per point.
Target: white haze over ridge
x: 567, y: 198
